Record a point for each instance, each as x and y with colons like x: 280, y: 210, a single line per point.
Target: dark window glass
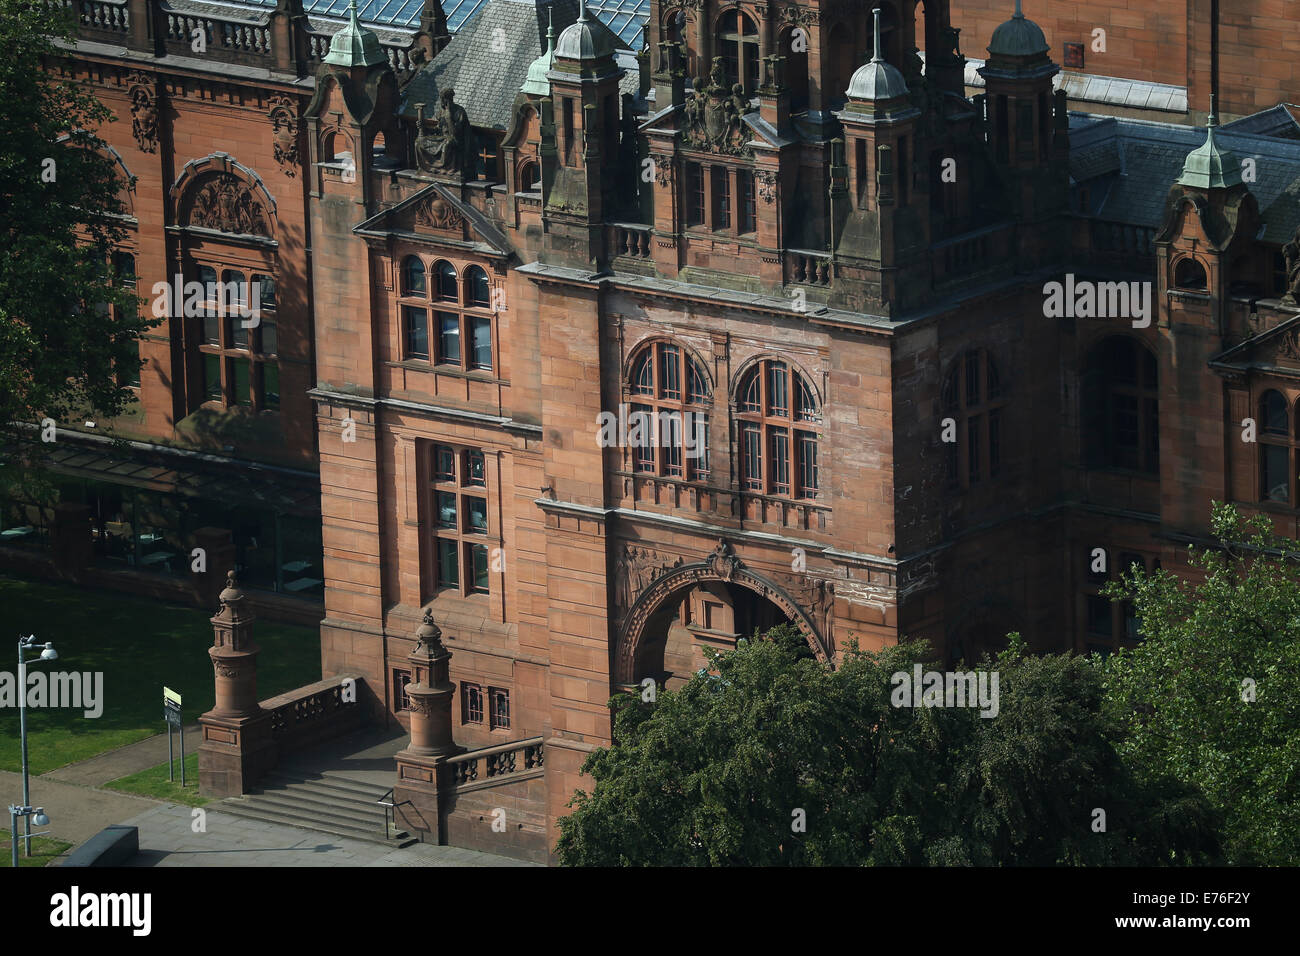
x: 807, y: 467
x: 448, y: 287
x: 212, y: 378
x: 471, y: 703
x: 478, y: 519
x: 446, y: 502
x: 211, y: 329
x: 752, y: 442
x: 479, y: 556
x: 124, y: 269
x: 270, y: 385
x: 671, y: 375
x: 745, y: 183
x: 1099, y: 617
x: 500, y: 708
x: 1275, y: 477
x: 444, y: 463
x: 721, y: 198
x: 780, y: 462
x: 236, y: 332
x: 641, y: 423
x: 778, y: 397
x: 243, y: 382
x: 477, y: 292
x: 448, y: 338
x: 401, y: 680
x: 413, y: 276
x: 1273, y: 414
x: 270, y: 343
x: 749, y: 399
x: 474, y: 460
x: 417, y: 332
x: 694, y: 195
x: 643, y: 374
x: 697, y: 387
x: 265, y: 293
x: 481, y: 329
x: 448, y: 563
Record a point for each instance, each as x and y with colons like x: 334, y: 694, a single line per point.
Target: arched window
x: 413, y: 276
x: 778, y: 421
x: 448, y: 285
x: 1120, y: 407
x: 1276, y: 455
x: 973, y: 398
x: 528, y: 178
x: 668, y: 430
x: 796, y: 67
x: 444, y: 324
x: 738, y: 47
x: 1190, y: 274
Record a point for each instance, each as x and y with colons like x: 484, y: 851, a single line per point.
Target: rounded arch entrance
x: 653, y: 610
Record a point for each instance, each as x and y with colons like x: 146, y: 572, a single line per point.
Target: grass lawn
x: 43, y: 849
x: 139, y: 644
x: 154, y: 783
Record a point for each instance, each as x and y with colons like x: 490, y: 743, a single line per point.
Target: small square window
x: 471, y: 703
x: 476, y: 509
x: 446, y: 509
x: 474, y: 468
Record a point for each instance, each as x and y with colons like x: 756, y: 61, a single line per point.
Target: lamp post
x: 26, y: 813
x: 48, y: 653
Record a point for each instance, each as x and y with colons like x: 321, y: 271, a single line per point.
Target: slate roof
x: 1136, y: 161
x: 487, y: 61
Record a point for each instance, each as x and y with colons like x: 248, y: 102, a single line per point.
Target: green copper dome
x: 1019, y: 36
x: 354, y: 45
x: 1208, y: 166
x: 536, y: 82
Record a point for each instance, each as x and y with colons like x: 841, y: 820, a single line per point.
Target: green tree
x: 772, y: 758
x: 1212, y: 694
x: 61, y: 345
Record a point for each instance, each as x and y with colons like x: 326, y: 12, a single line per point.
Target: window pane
x: 477, y: 509
x: 444, y: 463
x: 270, y: 385
x: 212, y: 378
x: 670, y: 372
x: 448, y: 287
x: 474, y: 460
x: 806, y: 409
x: 417, y: 332
x: 780, y: 461
x: 211, y: 329
x: 1273, y: 415
x: 752, y: 443
x: 446, y: 504
x: 1275, y: 477
x: 482, y: 331
x: 973, y: 449
x: 448, y: 563
x: 697, y: 386
x: 477, y: 292
x: 500, y: 708
x: 236, y: 332
x: 749, y: 400
x: 479, y: 557
x: 643, y: 374
x: 265, y: 293
x: 270, y: 342
x: 807, y: 466
x: 413, y: 276
x: 673, y: 449
x: 640, y: 431
x: 448, y: 338
x: 778, y: 399
x: 124, y: 269
x: 243, y: 382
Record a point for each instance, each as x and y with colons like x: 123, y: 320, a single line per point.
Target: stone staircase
x: 325, y: 801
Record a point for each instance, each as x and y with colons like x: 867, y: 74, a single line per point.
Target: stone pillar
x: 420, y: 767
x: 236, y: 748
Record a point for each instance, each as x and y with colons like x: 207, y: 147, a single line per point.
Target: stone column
x: 420, y: 768
x: 236, y: 747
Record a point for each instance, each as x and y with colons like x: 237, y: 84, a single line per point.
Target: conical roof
x: 1019, y: 36
x: 1209, y: 166
x: 354, y: 45
x: 877, y: 80
x: 536, y: 82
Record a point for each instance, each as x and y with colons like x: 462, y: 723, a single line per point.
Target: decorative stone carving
x: 766, y: 186
x: 1291, y: 252
x: 445, y: 147
x: 713, y: 115
x: 1290, y: 346
x: 436, y: 213
x: 641, y: 568
x: 226, y: 670
x: 141, y: 90
x: 226, y: 204
x: 283, y: 115
x: 795, y: 13
x: 723, y: 561
x: 664, y: 170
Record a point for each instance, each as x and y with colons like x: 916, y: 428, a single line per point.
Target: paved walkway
x: 167, y: 838
x: 124, y: 761
x: 76, y: 813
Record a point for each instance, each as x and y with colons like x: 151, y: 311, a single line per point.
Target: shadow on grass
x: 139, y: 645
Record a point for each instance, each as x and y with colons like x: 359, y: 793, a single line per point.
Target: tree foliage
x: 720, y: 772
x: 1212, y: 694
x: 61, y: 214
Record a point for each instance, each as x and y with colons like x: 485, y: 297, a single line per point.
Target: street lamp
x: 26, y: 813
x: 48, y: 653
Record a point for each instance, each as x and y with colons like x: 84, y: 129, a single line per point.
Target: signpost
x: 172, y: 714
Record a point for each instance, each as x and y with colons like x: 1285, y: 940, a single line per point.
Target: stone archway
x: 722, y: 565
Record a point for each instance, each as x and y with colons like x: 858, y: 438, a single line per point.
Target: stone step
x: 252, y: 808
x: 326, y: 793
x: 365, y: 816
x: 328, y: 780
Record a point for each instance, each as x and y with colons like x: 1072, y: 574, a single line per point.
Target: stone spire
x: 354, y: 45
x: 877, y: 80
x: 1208, y: 166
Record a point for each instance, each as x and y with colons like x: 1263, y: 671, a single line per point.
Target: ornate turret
x: 354, y: 45
x: 876, y: 81
x: 536, y: 83
x: 1209, y: 166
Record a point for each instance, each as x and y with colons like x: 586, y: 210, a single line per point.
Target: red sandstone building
x: 776, y: 218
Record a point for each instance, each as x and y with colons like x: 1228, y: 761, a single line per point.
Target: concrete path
x: 76, y: 813
x: 167, y: 838
x: 124, y: 761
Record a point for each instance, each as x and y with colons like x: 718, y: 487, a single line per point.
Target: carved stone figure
x: 144, y: 112
x: 1291, y: 252
x: 284, y: 122
x: 225, y: 204
x: 445, y: 147
x: 713, y: 115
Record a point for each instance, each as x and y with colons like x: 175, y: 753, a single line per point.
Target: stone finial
x: 231, y: 593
